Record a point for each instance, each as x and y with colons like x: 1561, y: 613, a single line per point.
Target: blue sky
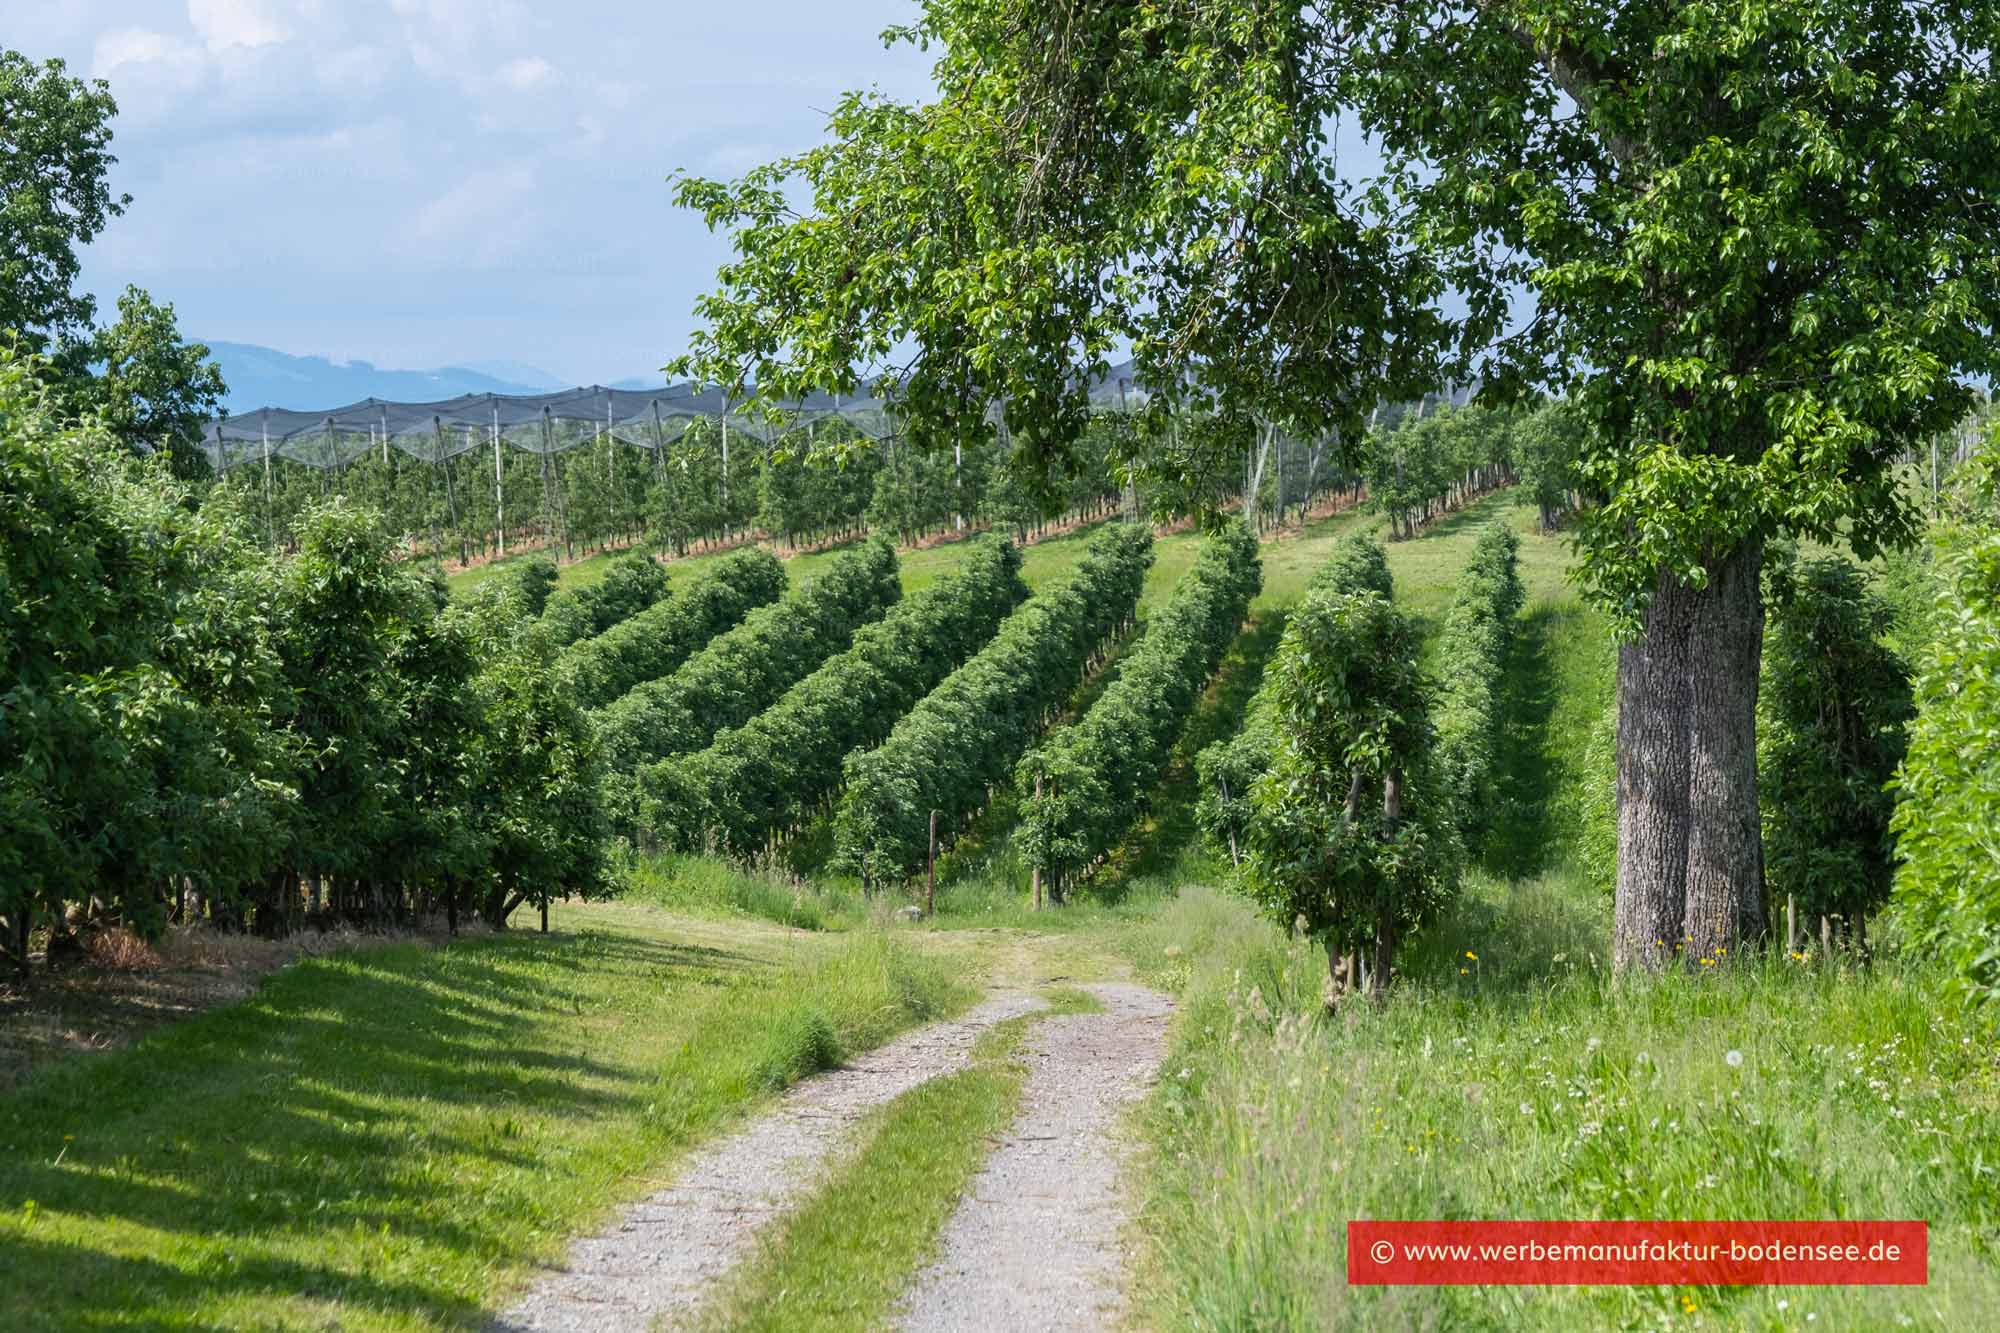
x: 427, y: 182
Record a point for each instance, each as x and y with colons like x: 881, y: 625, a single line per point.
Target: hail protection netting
x: 548, y: 423
x: 681, y: 469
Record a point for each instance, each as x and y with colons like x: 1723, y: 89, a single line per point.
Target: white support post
x: 499, y: 484
x: 270, y: 514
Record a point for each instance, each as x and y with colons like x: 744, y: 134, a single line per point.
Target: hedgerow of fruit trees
x: 1434, y: 458
x: 1377, y: 778
x: 964, y: 738
x: 631, y: 583
x: 1086, y: 784
x: 1348, y: 830
x: 198, y: 728
x: 1473, y: 646
x: 764, y: 778
x: 1833, y: 717
x: 657, y: 640
x: 744, y: 671
x: 1226, y: 770
x: 1947, y: 891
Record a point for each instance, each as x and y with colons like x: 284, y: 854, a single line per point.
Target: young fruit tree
x: 1751, y: 245
x: 1350, y: 833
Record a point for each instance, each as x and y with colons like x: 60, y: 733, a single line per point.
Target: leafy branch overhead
x: 1750, y: 245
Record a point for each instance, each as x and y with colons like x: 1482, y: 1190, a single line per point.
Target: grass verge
x: 843, y: 1258
x: 711, y: 886
x: 1532, y: 1085
x: 384, y: 1139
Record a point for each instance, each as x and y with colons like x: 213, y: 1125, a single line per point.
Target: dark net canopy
x: 542, y: 423
x: 547, y: 423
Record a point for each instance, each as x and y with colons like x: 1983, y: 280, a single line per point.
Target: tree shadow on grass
x: 1521, y: 838
x: 1477, y: 514
x: 221, y: 1144
x: 1527, y: 919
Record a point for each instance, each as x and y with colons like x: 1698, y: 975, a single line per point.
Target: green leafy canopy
x: 1750, y: 242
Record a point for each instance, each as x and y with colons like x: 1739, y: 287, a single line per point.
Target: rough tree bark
x: 1725, y: 880
x: 1690, y: 853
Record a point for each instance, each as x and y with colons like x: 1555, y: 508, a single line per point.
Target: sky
x: 420, y: 183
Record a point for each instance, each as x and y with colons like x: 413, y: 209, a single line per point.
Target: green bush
x: 1833, y: 706
x: 534, y: 581
x: 1947, y: 889
x: 631, y: 583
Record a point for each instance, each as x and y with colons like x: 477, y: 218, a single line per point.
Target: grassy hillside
x: 389, y: 1137
x: 1510, y: 1076
x: 382, y: 1138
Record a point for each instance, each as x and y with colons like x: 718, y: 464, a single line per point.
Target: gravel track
x: 1038, y: 1242
x: 667, y: 1253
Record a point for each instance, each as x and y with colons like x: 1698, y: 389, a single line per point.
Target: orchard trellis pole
x: 499, y: 486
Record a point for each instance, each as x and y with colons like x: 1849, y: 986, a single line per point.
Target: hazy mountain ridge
x: 265, y: 377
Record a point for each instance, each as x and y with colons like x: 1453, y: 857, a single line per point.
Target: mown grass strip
x: 384, y: 1139
x: 842, y: 1259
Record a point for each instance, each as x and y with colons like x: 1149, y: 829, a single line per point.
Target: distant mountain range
x: 263, y: 377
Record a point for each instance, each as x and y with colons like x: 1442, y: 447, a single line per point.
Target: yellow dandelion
x: 1473, y: 956
x: 1708, y: 962
x: 1465, y: 971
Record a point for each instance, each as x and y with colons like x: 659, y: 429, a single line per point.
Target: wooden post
x: 930, y: 870
x: 545, y: 914
x: 1791, y: 925
x: 1035, y: 874
x: 1235, y: 858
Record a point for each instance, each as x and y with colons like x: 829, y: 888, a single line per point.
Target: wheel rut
x: 1039, y: 1240
x: 663, y: 1257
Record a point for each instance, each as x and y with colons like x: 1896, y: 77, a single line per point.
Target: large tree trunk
x: 1725, y: 884
x: 1690, y: 857
x: 1655, y: 673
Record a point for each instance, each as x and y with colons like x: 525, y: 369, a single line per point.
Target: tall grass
x: 1510, y: 1076
x: 710, y: 886
x: 1524, y: 1082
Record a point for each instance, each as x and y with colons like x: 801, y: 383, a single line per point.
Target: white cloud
x: 426, y: 181
x: 526, y: 73
x: 485, y: 217
x: 141, y: 46
x: 226, y: 23
x: 151, y: 72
